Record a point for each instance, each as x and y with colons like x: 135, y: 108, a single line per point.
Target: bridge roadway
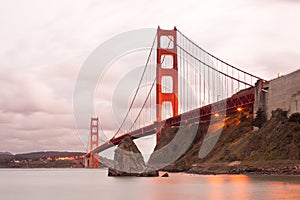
x: 243, y: 99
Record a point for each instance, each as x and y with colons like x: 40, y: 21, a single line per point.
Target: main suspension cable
x: 149, y: 93
x: 217, y: 57
x: 137, y: 90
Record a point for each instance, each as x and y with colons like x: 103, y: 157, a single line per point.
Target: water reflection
x: 94, y: 184
x: 228, y: 187
x: 233, y: 187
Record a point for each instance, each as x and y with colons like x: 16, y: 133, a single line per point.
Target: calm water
x: 83, y: 184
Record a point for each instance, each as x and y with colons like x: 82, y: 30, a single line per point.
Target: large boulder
x: 129, y: 161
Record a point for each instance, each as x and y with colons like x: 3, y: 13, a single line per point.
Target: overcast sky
x: 44, y: 43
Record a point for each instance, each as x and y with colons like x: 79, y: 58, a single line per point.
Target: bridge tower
x: 94, y: 142
x: 166, y: 50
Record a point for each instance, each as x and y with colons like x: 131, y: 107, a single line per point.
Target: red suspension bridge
x: 187, y: 85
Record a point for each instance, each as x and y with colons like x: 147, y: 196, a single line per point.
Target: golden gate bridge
x: 187, y: 85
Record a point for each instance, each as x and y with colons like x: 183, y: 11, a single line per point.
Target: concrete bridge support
x: 282, y: 92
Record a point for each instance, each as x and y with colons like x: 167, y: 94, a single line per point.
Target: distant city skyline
x: 44, y: 44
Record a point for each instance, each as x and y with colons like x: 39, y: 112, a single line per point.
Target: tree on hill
x: 260, y: 118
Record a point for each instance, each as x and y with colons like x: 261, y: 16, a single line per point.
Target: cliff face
x: 129, y: 161
x: 277, y: 140
x: 175, y: 148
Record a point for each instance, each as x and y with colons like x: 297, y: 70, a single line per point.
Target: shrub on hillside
x: 260, y: 118
x: 295, y: 117
x: 279, y: 114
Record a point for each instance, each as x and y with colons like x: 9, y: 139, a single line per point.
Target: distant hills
x: 40, y: 159
x: 6, y: 154
x: 39, y: 155
x: 47, y: 154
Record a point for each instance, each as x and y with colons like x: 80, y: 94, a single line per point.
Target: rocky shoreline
x: 288, y: 170
x: 248, y: 168
x: 146, y: 173
x: 272, y: 149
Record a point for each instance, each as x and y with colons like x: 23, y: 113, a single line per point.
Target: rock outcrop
x: 129, y: 161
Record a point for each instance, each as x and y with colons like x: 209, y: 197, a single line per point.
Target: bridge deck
x: 243, y: 99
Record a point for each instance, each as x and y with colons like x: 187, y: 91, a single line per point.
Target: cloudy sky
x: 44, y: 44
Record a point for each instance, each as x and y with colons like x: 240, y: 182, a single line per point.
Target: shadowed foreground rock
x: 129, y: 161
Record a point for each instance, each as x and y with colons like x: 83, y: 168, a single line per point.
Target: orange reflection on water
x: 229, y: 187
x: 282, y: 187
x: 220, y: 187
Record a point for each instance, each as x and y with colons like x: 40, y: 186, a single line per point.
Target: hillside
x: 238, y: 147
x: 48, y: 159
x: 46, y: 154
x: 278, y: 139
x: 6, y: 155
